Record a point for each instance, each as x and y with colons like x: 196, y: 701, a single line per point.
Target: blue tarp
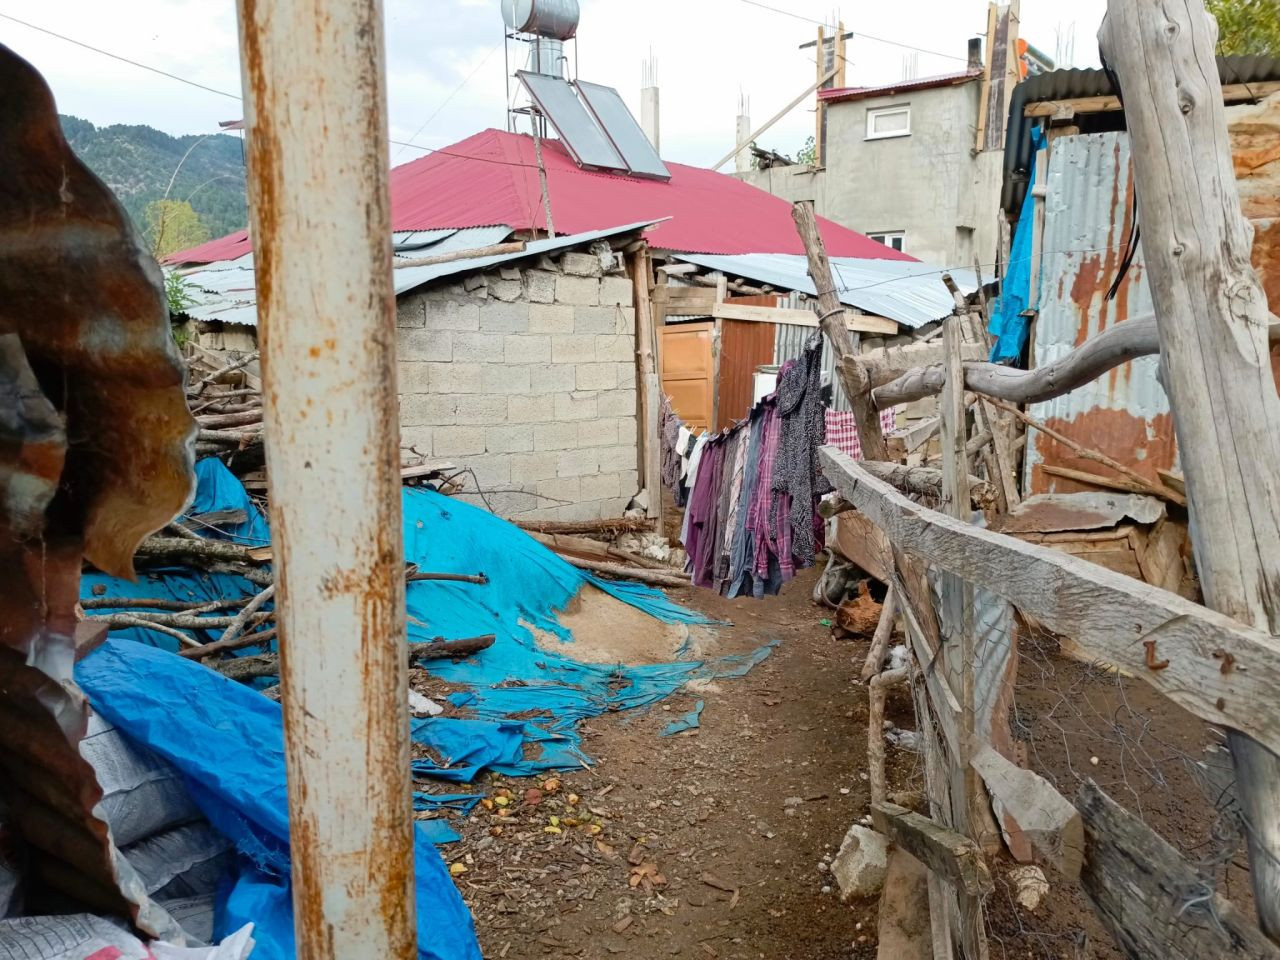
x: 228, y: 742
x: 227, y: 739
x: 1008, y: 326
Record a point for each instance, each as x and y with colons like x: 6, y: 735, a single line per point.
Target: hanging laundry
x: 842, y: 430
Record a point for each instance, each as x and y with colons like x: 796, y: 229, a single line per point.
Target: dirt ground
x: 714, y: 843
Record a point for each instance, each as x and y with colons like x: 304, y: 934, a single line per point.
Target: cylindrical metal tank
x: 557, y: 19
x: 546, y: 56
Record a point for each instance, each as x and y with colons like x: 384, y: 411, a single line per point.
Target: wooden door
x: 688, y: 372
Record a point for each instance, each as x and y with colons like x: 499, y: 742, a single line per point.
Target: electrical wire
x: 456, y: 90
x: 856, y: 33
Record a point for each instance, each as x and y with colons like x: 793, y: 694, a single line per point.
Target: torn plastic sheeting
x: 228, y: 741
x: 217, y: 489
x: 465, y: 747
x: 689, y: 721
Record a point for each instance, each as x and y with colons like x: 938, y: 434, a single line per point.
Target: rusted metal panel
x: 1088, y: 218
x: 315, y: 84
x: 1054, y: 512
x: 744, y: 346
x: 95, y: 453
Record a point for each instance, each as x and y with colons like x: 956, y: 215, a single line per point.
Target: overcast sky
x: 445, y: 59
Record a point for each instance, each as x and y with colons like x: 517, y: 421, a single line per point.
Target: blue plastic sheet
x: 688, y: 721
x: 228, y: 742
x: 1008, y: 326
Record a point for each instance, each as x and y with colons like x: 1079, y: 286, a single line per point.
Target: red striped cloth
x: 842, y: 432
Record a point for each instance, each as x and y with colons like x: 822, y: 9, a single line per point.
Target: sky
x: 445, y: 60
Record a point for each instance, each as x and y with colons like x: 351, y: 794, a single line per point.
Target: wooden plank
x: 942, y: 850
x: 1154, y: 903
x: 649, y: 384
x: 984, y: 90
x: 1232, y: 93
x: 1043, y: 815
x: 1215, y: 363
x: 493, y: 250
x: 1098, y: 480
x: 1109, y: 614
x: 912, y: 438
x: 775, y: 118
x: 862, y: 323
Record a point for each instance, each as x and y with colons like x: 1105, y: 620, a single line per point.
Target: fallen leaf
x: 502, y: 801
x: 552, y: 830
x: 457, y: 869
x: 711, y: 880
x: 606, y: 849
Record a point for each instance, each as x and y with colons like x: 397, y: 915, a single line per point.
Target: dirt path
x: 710, y: 842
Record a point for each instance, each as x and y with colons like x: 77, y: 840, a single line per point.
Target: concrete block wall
x: 526, y: 375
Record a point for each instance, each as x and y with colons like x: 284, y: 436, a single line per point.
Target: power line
x: 856, y: 33
x: 116, y: 56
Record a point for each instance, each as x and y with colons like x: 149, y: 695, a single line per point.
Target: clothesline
x: 751, y: 491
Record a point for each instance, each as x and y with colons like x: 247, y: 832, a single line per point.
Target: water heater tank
x: 557, y: 19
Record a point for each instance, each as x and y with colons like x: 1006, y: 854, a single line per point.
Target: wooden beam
x: 1223, y: 671
x: 774, y: 119
x: 648, y: 384
x: 1153, y: 902
x: 1044, y: 816
x: 1215, y: 364
x: 1232, y: 93
x: 887, y: 363
x: 913, y: 438
x: 926, y: 481
x: 1109, y: 483
x: 859, y: 322
x: 947, y: 853
x: 493, y: 250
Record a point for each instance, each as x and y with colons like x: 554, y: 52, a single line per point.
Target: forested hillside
x: 137, y: 162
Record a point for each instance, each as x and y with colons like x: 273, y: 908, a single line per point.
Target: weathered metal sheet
x: 1088, y: 217
x: 907, y: 291
x: 1055, y: 512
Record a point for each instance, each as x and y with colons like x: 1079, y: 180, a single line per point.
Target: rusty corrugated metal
x: 95, y: 453
x: 1125, y: 413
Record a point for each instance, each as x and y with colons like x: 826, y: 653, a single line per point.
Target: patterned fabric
x: 842, y: 431
x: 802, y: 431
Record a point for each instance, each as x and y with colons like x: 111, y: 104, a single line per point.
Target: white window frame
x: 887, y: 237
x: 874, y: 112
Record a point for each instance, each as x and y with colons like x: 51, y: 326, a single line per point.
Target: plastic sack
x: 142, y: 793
x: 186, y: 861
x: 83, y: 936
x: 195, y: 914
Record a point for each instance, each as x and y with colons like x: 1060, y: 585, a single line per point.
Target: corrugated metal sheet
x: 1125, y: 414
x: 1073, y: 83
x: 911, y: 293
x: 789, y: 345
x: 225, y: 291
x: 843, y: 94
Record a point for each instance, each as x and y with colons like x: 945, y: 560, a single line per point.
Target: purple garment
x: 764, y: 539
x: 704, y: 530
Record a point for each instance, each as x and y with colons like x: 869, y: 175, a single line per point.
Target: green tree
x: 1247, y: 26
x: 172, y: 225
x: 808, y: 153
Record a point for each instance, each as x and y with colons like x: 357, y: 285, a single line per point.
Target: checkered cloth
x: 842, y: 432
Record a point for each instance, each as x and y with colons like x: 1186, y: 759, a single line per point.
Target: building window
x: 885, y: 122
x: 894, y: 239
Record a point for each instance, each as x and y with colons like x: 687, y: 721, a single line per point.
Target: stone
x: 905, y: 932
x: 474, y: 281
x: 508, y: 291
x: 1030, y: 884
x: 540, y: 286
x: 860, y: 865
x: 581, y: 264
x: 509, y: 273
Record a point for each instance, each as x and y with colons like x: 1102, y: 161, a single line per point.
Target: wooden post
x: 1212, y: 318
x: 648, y: 385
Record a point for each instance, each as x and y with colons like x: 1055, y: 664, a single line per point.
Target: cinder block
x: 509, y: 273
x: 617, y: 290
x: 457, y: 377
x: 492, y: 470
x: 581, y: 510
x: 578, y: 291
x: 507, y: 291
x: 509, y: 438
x: 452, y: 315
x: 616, y: 459
x: 626, y: 374
x: 628, y: 484
x: 578, y: 463
x: 474, y: 281
x: 625, y: 429
x: 559, y: 491
x: 597, y: 376
x: 419, y: 343
x: 416, y: 376
x: 576, y: 406
x: 499, y: 317
x: 581, y: 264
x: 552, y: 377
x: 528, y: 468
x: 417, y: 438
x: 533, y: 408
x: 512, y: 504
x: 457, y: 441
x: 504, y: 379
x: 540, y: 286
x: 573, y: 348
x: 609, y: 509
x: 594, y: 319
x: 617, y: 403
x: 411, y: 312
x: 477, y: 347
x: 481, y: 410
x: 428, y: 409
x: 615, y: 347
x: 555, y: 436
x: 526, y: 348
x: 597, y: 433
x: 551, y: 318
x: 601, y: 486
x: 625, y: 321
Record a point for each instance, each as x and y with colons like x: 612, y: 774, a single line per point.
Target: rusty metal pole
x: 316, y: 116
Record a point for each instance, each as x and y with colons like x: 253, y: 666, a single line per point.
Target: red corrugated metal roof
x: 492, y: 177
x: 924, y: 83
